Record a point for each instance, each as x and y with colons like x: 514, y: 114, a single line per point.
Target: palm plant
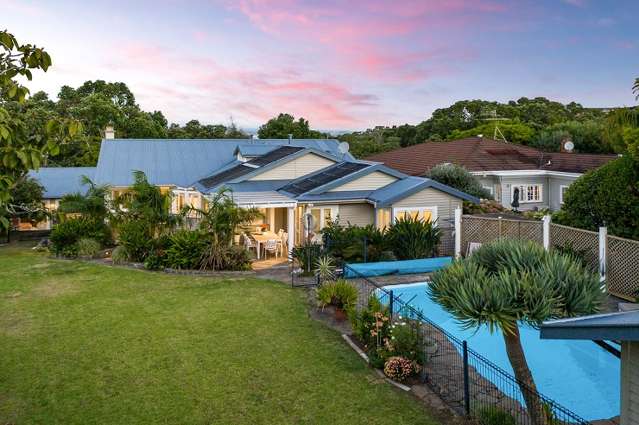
x: 635, y: 88
x: 92, y: 204
x: 512, y: 282
x: 220, y: 221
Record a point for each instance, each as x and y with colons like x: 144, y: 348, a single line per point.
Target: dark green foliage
x: 185, y: 250
x: 493, y: 415
x: 26, y: 201
x: 606, y: 196
x: 306, y: 256
x: 66, y: 234
x: 587, y: 136
x: 156, y: 259
x: 512, y: 131
x: 135, y: 238
x: 285, y: 124
x: 92, y: 204
x: 339, y: 294
x: 87, y: 247
x: 458, y: 177
x: 347, y: 244
x: 412, y: 238
x: 236, y: 258
x: 364, y: 322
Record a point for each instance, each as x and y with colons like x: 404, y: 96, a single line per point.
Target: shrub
x: 306, y: 255
x: 406, y: 341
x: 135, y: 237
x: 412, y: 238
x: 88, y: 247
x: 185, y: 250
x: 348, y: 243
x: 371, y: 325
x: 606, y: 196
x: 65, y: 235
x: 459, y: 178
x: 119, y: 255
x: 236, y: 258
x: 399, y: 368
x: 339, y: 294
x: 156, y: 259
x: 493, y: 415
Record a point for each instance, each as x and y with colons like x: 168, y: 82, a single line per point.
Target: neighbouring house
x: 621, y: 327
x: 540, y: 178
x: 288, y: 180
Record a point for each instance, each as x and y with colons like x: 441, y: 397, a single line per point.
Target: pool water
x: 579, y: 375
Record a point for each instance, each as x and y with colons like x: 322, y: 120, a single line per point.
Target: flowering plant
x: 400, y: 368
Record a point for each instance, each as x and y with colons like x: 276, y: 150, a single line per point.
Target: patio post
x: 290, y: 222
x: 546, y: 231
x: 458, y: 232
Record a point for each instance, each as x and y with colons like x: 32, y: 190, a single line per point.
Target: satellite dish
x: 569, y: 146
x: 343, y: 148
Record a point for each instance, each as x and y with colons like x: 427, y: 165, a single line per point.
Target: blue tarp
x: 383, y: 268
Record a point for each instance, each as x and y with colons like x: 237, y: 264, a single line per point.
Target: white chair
x: 283, y: 242
x: 271, y: 246
x: 249, y: 244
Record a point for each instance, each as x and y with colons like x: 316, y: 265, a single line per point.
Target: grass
x: 88, y: 344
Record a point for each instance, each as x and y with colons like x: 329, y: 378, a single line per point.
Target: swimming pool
x: 579, y: 375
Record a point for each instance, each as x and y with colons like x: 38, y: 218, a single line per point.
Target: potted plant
x: 339, y: 294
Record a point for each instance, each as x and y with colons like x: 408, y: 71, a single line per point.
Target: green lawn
x: 90, y: 344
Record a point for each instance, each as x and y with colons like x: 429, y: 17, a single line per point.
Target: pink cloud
x: 386, y: 40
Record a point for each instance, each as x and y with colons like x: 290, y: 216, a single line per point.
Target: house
x: 299, y: 185
x: 622, y: 327
x: 540, y: 178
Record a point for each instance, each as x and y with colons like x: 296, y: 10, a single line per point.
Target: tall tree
x: 284, y: 124
x: 20, y: 148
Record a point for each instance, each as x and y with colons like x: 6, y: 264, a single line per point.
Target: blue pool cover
x: 383, y: 268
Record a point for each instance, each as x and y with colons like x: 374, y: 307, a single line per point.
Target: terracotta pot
x: 340, y: 314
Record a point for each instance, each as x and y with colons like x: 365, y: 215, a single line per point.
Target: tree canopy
x: 284, y: 124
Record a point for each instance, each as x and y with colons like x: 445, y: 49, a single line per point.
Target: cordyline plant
x: 219, y: 221
x: 508, y: 283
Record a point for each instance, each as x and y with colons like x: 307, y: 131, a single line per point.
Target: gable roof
x: 322, y: 177
x: 257, y: 165
x: 481, y: 154
x: 60, y: 181
x: 182, y: 162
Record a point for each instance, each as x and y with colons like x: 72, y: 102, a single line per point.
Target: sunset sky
x: 341, y: 64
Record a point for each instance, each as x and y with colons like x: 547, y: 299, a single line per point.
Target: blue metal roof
x: 622, y: 326
x: 59, y: 181
x: 182, y: 162
x: 347, y: 195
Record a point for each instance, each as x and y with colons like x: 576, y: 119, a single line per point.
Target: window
x: 383, y: 218
x: 527, y: 193
x: 490, y: 189
x: 322, y: 216
x: 425, y: 213
x: 562, y: 193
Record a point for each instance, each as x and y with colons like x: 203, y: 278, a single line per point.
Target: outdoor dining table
x: 261, y: 238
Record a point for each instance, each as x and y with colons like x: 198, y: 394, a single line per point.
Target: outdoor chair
x: 271, y: 246
x: 249, y: 244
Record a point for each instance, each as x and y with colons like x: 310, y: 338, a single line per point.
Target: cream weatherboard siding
x: 430, y: 197
x: 372, y: 181
x: 356, y: 214
x: 299, y: 167
x: 630, y: 383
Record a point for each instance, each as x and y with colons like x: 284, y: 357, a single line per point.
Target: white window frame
x: 561, y: 192
x: 334, y: 213
x: 524, y: 199
x: 433, y: 212
x: 490, y: 189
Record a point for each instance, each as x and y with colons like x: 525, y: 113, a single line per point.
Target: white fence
x: 615, y: 259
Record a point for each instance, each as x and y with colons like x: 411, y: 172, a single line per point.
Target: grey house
x: 540, y: 178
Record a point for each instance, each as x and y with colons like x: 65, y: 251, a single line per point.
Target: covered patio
x: 279, y: 215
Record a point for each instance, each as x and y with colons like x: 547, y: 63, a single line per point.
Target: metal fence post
x: 466, y: 381
x: 365, y: 249
x: 390, y: 304
x: 499, y: 227
x: 458, y: 232
x: 546, y: 232
x: 603, y: 253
